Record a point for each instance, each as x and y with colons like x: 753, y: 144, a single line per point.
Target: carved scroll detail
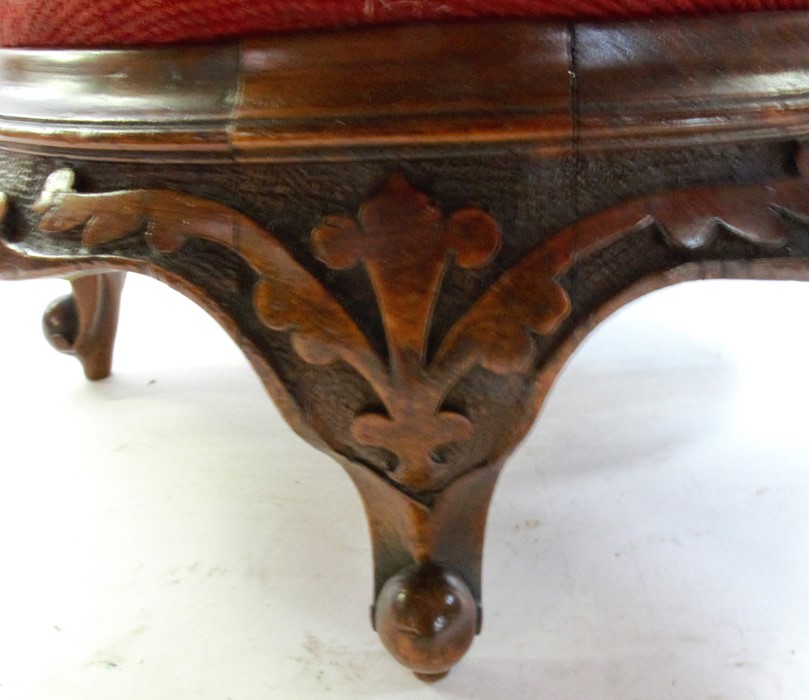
x: 406, y: 244
x: 287, y: 297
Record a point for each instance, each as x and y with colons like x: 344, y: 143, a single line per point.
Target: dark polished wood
x: 408, y: 234
x: 359, y: 93
x: 427, y: 618
x: 707, y: 80
x: 85, y: 322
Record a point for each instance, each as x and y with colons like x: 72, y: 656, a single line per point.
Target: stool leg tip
x: 426, y: 617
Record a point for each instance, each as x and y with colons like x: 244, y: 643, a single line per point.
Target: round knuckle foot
x: 60, y: 323
x: 426, y: 617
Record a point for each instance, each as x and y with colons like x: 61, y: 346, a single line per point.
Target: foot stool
x: 407, y: 215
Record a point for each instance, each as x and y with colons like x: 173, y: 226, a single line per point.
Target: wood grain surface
x: 408, y: 230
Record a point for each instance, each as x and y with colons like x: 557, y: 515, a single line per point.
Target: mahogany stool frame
x: 408, y: 230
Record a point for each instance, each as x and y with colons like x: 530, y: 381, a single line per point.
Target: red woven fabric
x: 62, y: 23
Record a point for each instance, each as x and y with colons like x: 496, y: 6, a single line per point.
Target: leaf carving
x: 405, y: 244
x: 695, y: 221
x: 497, y: 332
x: 287, y: 297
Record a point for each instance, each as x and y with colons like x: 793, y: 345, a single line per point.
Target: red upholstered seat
x: 86, y: 23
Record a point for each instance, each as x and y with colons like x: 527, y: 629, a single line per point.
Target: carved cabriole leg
x: 422, y: 424
x: 427, y: 567
x: 84, y: 323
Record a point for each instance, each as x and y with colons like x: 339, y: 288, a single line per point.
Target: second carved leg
x: 84, y: 323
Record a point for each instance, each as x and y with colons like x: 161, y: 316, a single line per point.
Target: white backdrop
x: 164, y: 535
